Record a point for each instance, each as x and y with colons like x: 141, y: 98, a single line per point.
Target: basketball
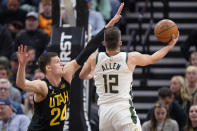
x: 164, y: 29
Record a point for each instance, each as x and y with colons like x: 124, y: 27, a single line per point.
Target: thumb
x: 173, y: 36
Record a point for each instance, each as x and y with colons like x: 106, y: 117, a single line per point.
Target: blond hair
x: 191, y: 68
x: 3, y: 81
x: 184, y: 92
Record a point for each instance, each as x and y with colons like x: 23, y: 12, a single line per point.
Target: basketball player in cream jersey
x: 113, y: 72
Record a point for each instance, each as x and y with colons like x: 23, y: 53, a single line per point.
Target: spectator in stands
x: 95, y: 19
x: 32, y: 35
x: 193, y: 59
x: 11, y: 121
x: 28, y: 107
x: 175, y: 110
x: 192, y: 119
x: 15, y: 94
x: 4, y: 61
x: 191, y: 81
x: 34, y: 3
x: 180, y: 91
x: 5, y: 94
x: 191, y: 41
x: 14, y: 67
x: 31, y: 64
x: 45, y: 18
x: 114, y: 5
x: 103, y: 6
x: 6, y: 41
x: 13, y: 16
x: 160, y: 119
x: 38, y: 75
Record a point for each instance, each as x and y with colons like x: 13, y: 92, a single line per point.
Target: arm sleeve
x: 92, y: 45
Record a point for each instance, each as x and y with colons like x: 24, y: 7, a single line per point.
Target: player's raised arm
x: 26, y: 85
x: 93, y: 44
x: 137, y: 58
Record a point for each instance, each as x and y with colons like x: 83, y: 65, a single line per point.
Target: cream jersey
x: 113, y: 78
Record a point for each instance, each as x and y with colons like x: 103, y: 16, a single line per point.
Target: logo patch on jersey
x: 53, y: 92
x: 63, y: 86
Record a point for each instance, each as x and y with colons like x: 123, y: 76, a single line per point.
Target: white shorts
x: 118, y: 117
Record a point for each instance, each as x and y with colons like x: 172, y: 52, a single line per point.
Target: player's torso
x: 51, y: 112
x: 112, y: 77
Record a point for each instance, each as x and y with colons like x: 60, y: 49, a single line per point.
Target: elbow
x: 81, y: 76
x: 19, y: 84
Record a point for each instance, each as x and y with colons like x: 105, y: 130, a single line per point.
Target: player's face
x: 160, y: 114
x: 175, y: 85
x: 193, y: 113
x: 56, y: 65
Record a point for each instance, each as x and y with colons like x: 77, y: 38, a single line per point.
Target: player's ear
x: 48, y: 67
x: 103, y: 43
x: 120, y: 43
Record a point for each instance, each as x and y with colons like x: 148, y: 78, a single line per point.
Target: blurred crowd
x: 29, y: 22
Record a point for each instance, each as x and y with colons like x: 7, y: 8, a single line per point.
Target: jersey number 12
x: 109, y: 85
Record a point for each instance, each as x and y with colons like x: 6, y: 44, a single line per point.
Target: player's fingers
x: 173, y: 36
x: 25, y: 49
x: 120, y: 8
x: 19, y: 49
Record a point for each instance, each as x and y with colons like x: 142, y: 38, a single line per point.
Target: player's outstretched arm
x: 137, y: 58
x: 93, y: 44
x: 30, y: 86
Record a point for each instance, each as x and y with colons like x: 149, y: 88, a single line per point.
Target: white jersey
x: 113, y: 78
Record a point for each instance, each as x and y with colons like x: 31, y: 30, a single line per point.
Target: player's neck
x: 53, y: 80
x: 112, y: 52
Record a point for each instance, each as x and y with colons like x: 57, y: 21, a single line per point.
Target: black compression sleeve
x: 92, y: 45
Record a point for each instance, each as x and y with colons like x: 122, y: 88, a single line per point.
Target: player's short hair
x: 45, y: 59
x: 112, y: 38
x: 164, y: 92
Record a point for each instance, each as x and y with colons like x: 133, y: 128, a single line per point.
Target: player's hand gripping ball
x: 164, y: 30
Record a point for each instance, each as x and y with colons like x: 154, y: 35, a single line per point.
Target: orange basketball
x: 164, y: 29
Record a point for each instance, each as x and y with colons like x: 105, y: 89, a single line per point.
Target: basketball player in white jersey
x: 113, y: 72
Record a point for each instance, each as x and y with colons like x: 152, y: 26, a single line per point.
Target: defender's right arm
x: 36, y: 86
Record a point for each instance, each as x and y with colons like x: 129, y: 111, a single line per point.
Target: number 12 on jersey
x: 109, y: 82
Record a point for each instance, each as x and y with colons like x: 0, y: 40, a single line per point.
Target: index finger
x: 120, y: 8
